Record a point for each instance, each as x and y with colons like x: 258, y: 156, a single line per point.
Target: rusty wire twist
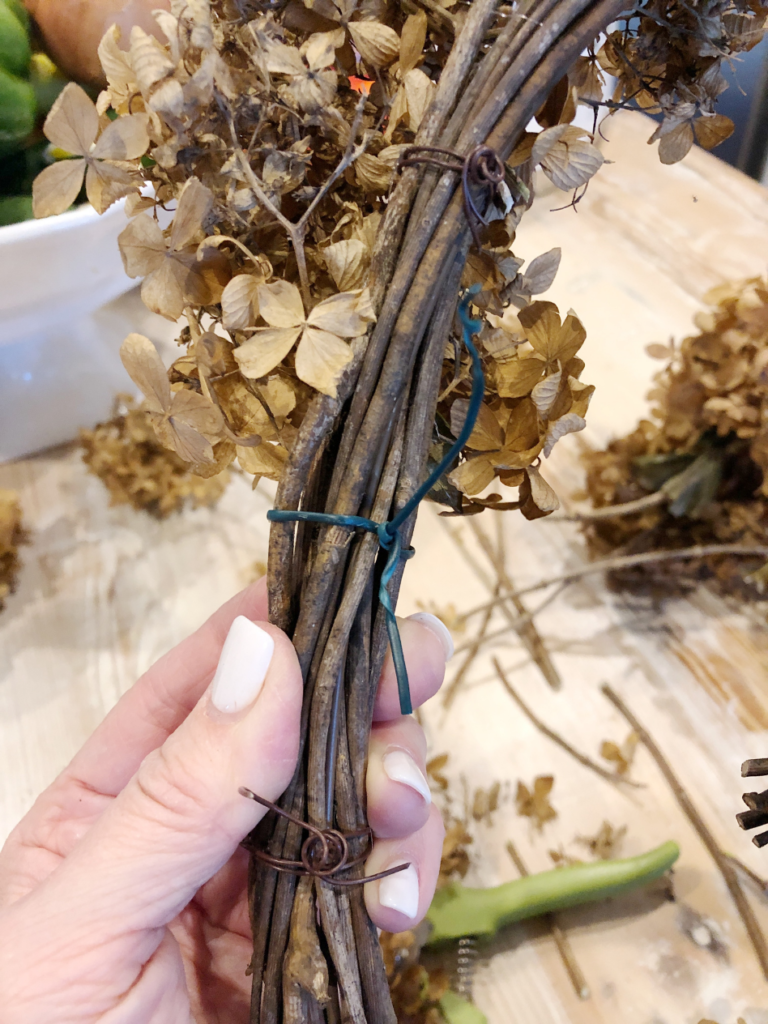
x: 324, y: 853
x: 482, y: 168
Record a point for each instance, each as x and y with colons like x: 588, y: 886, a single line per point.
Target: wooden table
x: 104, y: 591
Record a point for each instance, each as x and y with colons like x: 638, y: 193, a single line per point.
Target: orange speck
x: 360, y: 84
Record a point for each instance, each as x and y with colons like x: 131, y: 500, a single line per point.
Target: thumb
x: 73, y: 29
x: 181, y: 818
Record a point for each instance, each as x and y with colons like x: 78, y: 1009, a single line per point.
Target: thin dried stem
x: 627, y: 508
x: 721, y: 859
x: 472, y: 649
x: 564, y: 948
x: 297, y: 231
x: 625, y: 562
x: 517, y: 625
x: 528, y: 632
x: 583, y: 759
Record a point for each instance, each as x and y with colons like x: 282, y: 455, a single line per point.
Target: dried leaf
x: 412, y: 40
x: 377, y: 44
x: 542, y: 495
x: 545, y: 393
x: 568, y: 424
x: 347, y: 263
x: 145, y: 368
x: 266, y: 349
x: 73, y: 121
x: 567, y: 158
x: 711, y: 130
x: 124, y: 139
x: 280, y: 304
x: 240, y: 302
x: 57, y: 187
x: 541, y: 271
x: 320, y: 360
x: 486, y: 436
x: 534, y: 803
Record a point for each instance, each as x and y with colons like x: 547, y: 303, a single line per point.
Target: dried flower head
x: 704, y: 448
x: 139, y: 471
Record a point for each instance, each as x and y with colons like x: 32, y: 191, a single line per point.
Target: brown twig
x: 627, y: 508
x: 722, y: 860
x: 515, y: 626
x: 583, y: 759
x: 624, y: 562
x: 522, y: 623
x: 297, y: 231
x: 528, y: 633
x: 760, y: 883
x: 579, y: 982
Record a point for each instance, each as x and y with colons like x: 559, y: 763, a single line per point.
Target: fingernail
x: 242, y: 666
x: 439, y: 628
x: 401, y: 891
x: 400, y: 767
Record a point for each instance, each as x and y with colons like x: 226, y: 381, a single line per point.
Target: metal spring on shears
x: 466, y: 963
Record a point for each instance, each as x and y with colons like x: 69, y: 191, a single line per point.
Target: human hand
x: 73, y: 29
x: 123, y: 891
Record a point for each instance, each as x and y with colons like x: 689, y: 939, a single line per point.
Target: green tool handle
x: 457, y: 911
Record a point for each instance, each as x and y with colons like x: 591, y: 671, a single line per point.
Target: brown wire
x: 482, y: 167
x: 324, y: 853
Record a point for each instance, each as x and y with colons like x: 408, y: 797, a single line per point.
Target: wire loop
x: 324, y: 853
x: 481, y: 168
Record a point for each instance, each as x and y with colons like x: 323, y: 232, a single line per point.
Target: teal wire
x: 388, y: 533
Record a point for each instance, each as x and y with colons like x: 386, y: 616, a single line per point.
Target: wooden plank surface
x: 105, y: 591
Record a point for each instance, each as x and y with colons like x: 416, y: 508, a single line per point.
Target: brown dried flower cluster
x: 269, y: 144
x: 12, y: 536
x: 667, y: 58
x: 137, y: 470
x: 704, y: 450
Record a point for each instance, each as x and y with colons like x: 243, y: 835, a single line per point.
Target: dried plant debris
x: 485, y: 802
x: 620, y: 756
x: 435, y: 767
x: 273, y: 140
x: 12, y: 536
x: 138, y: 470
x: 274, y: 137
x: 534, y: 803
x: 416, y: 991
x: 703, y: 451
x: 605, y: 844
x: 455, y: 861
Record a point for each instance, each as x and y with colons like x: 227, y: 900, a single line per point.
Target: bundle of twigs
x: 368, y: 458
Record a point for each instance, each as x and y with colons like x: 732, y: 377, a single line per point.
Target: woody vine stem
x: 364, y: 453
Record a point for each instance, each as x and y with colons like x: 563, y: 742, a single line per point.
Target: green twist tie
x: 388, y: 533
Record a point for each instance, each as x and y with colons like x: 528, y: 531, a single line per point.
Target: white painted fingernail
x: 400, y: 767
x: 401, y: 891
x: 242, y: 666
x: 439, y: 628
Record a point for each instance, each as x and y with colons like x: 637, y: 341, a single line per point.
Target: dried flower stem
x: 583, y: 759
x: 760, y: 883
x: 564, y: 948
x: 721, y: 859
x: 528, y: 632
x: 297, y: 231
x: 627, y: 508
x: 625, y: 562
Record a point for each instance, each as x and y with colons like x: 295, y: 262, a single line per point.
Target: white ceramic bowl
x: 64, y: 312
